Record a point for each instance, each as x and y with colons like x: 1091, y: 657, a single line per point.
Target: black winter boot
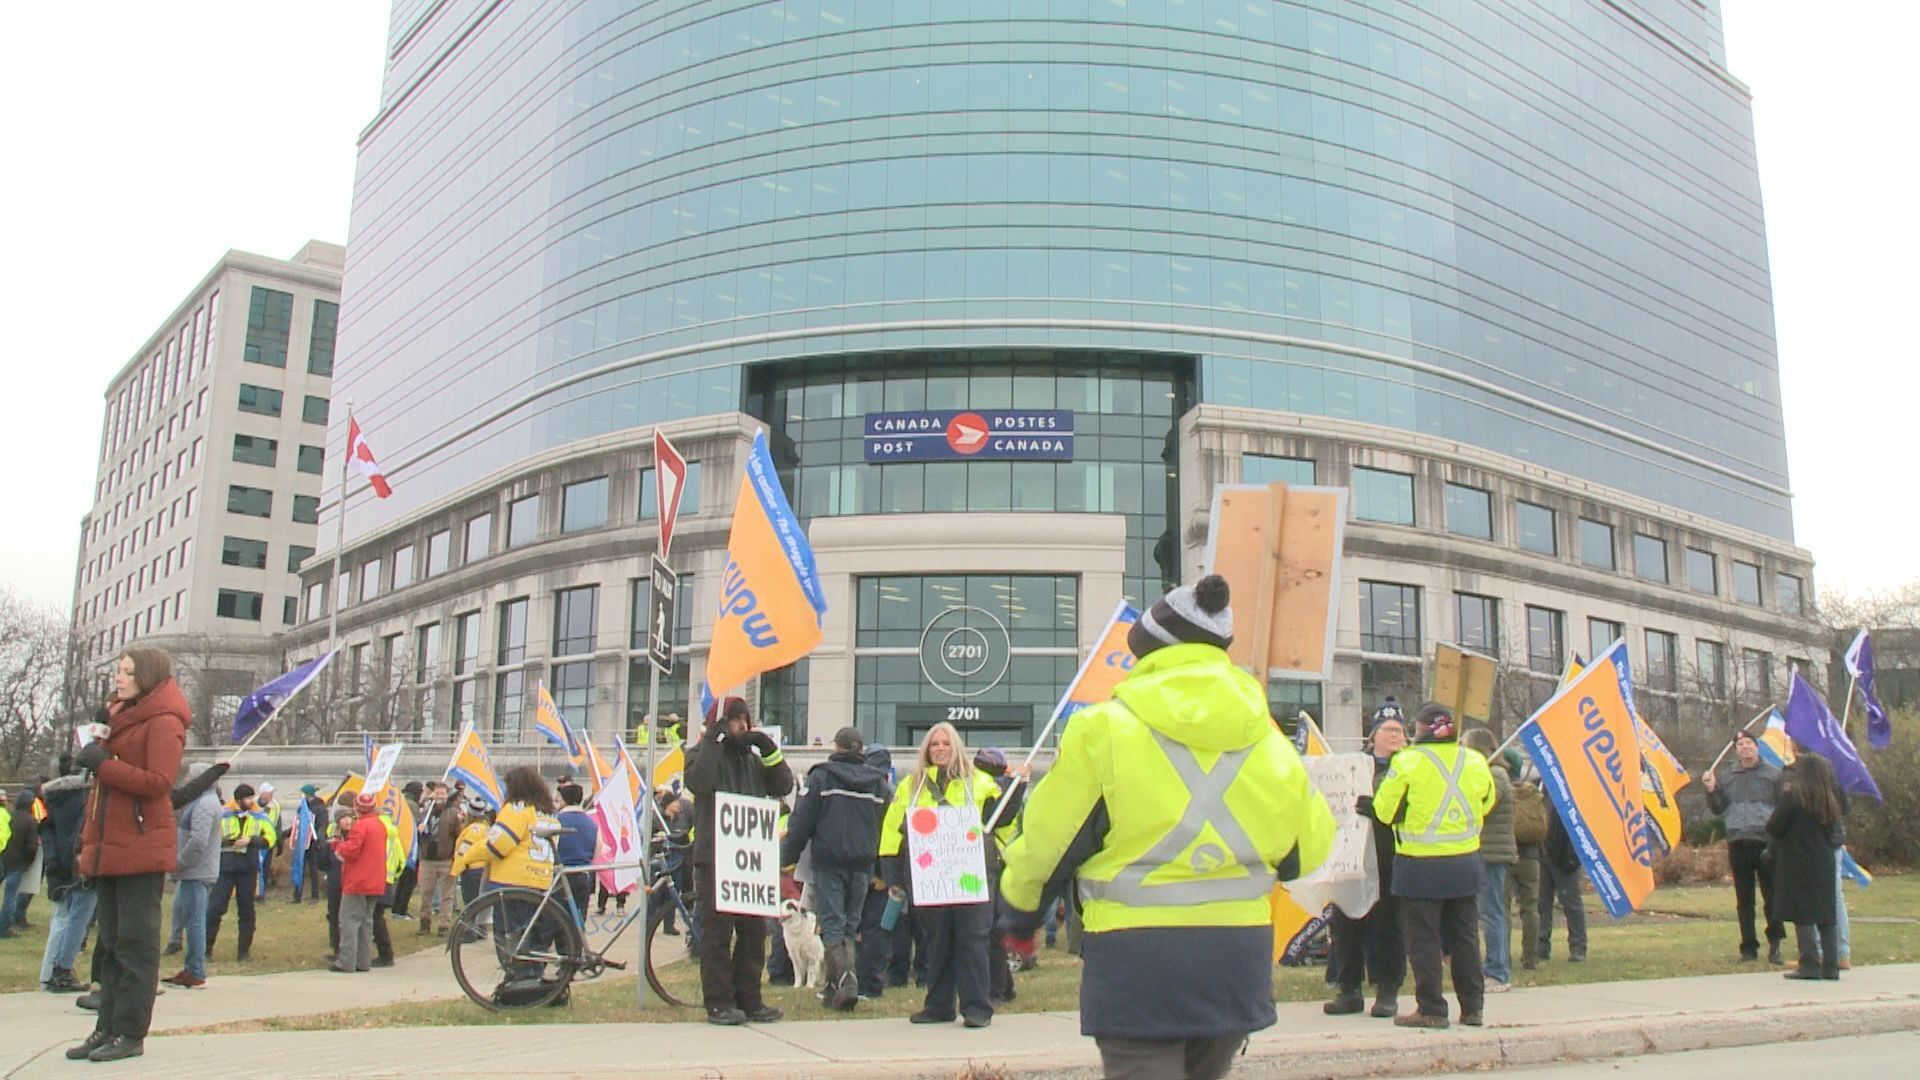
x: 246, y: 945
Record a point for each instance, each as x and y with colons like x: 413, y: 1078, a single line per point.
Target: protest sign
x: 1279, y: 548
x: 1349, y: 879
x: 381, y: 770
x: 746, y: 855
x: 947, y: 855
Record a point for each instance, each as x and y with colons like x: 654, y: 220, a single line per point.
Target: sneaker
x: 119, y: 1048
x: 1344, y: 1005
x: 765, y: 1014
x: 726, y: 1017
x: 1420, y: 1020
x: 1494, y: 986
x: 1473, y: 1019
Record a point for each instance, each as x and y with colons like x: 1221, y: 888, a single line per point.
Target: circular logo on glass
x: 964, y: 651
x: 967, y: 433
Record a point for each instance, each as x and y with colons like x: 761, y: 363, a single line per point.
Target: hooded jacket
x: 363, y: 857
x: 716, y: 764
x: 1746, y: 797
x: 24, y: 841
x: 199, y: 836
x: 839, y: 815
x: 129, y: 825
x: 66, y: 798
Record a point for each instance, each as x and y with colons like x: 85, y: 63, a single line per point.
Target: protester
x: 440, y: 824
x: 268, y: 807
x: 874, y: 953
x: 1437, y: 794
x: 1560, y: 881
x: 319, y: 853
x: 1499, y: 851
x: 17, y: 854
x: 127, y: 846
x: 1806, y: 828
x: 396, y: 865
x: 72, y: 895
x: 336, y: 829
x: 197, y: 836
x: 1523, y: 877
x: 245, y: 831
x: 732, y: 757
x: 1745, y: 801
x: 468, y: 866
x: 838, y: 818
x: 519, y: 851
x: 1178, y: 951
x: 1380, y: 926
x: 991, y: 763
x: 409, y: 878
x: 360, y: 848
x: 578, y: 841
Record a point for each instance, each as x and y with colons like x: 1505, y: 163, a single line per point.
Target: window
x: 509, y: 704
x: 1535, y: 528
x: 314, y: 410
x: 289, y: 610
x: 369, y: 580
x: 523, y: 521
x: 466, y: 643
x: 1469, y: 512
x: 326, y: 325
x: 1546, y: 649
x: 573, y: 691
x: 1384, y: 496
x: 312, y: 460
x: 1649, y: 558
x: 1261, y: 469
x: 1476, y: 623
x: 1601, y: 634
x: 259, y: 399
x: 1789, y: 595
x: 576, y: 615
x: 269, y: 326
x: 1703, y: 572
x: 234, y: 604
x: 426, y: 653
x: 1389, y: 618
x: 513, y: 632
x: 437, y: 545
x: 1596, y: 545
x: 1756, y: 674
x: 479, y: 537
x: 297, y: 554
x: 689, y: 496
x: 255, y: 450
x: 193, y: 497
x: 251, y: 501
x: 343, y: 588
x: 239, y: 551
x: 403, y: 567
x: 197, y: 444
x: 1746, y: 583
x: 316, y: 600
x: 583, y: 505
x: 306, y: 509
x: 1711, y: 658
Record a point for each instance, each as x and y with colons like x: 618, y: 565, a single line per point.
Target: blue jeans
x: 1493, y: 923
x: 10, y: 899
x: 839, y: 894
x: 1840, y: 911
x: 190, y: 921
x: 72, y: 914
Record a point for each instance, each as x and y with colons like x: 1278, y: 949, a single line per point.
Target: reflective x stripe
x: 1206, y: 805
x: 1453, y: 795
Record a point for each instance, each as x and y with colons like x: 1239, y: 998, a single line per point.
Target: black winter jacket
x: 715, y: 765
x: 25, y: 838
x: 66, y: 798
x: 839, y: 815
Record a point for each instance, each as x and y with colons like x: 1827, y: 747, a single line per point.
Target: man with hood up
x: 1173, y: 804
x: 839, y: 817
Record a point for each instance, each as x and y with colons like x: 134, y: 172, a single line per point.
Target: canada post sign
x: 971, y: 435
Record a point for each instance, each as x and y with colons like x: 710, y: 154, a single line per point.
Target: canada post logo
x: 970, y: 434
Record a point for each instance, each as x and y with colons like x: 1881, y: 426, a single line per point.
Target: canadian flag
x: 360, y: 456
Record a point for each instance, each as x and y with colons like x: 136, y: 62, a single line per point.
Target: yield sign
x: 670, y: 478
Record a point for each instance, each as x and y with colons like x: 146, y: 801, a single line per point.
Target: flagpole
x: 1846, y: 711
x: 339, y: 541
x: 1748, y: 726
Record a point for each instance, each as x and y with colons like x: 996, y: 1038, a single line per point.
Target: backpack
x: 1529, y: 814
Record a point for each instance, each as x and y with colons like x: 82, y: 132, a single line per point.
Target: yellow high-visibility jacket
x: 1447, y: 790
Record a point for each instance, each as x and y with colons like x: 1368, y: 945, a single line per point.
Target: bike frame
x: 663, y: 880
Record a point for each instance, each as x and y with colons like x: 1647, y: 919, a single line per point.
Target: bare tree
x: 33, y: 665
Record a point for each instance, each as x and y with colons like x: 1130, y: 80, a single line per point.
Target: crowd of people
x: 1168, y: 815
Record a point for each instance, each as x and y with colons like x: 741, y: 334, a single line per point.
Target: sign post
x: 670, y: 481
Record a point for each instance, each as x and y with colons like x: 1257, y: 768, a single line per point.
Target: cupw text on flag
x: 1104, y: 667
x: 1812, y: 725
x: 1661, y: 774
x: 360, y: 459
x: 1860, y: 667
x: 265, y: 703
x: 548, y: 722
x: 472, y: 765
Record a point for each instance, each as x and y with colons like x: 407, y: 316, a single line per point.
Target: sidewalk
x: 1592, y: 1021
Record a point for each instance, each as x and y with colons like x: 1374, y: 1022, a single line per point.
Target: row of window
x: 1390, y: 624
x: 1385, y: 496
x: 171, y: 467
x: 266, y: 401
x: 170, y: 370
x: 258, y: 502
x: 270, y: 329
x: 139, y: 624
x: 260, y: 450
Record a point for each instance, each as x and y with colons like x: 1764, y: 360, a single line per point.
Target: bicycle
x: 521, y: 948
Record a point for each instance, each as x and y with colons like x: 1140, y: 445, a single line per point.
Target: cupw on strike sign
x: 746, y: 855
x: 947, y: 853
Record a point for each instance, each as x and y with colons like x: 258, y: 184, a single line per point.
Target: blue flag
x: 265, y: 703
x: 1811, y: 724
x: 1860, y: 666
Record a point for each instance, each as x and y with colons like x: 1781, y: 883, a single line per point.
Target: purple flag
x: 1812, y: 725
x: 1860, y: 666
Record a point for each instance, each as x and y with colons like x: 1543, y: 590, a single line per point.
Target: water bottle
x: 896, y: 903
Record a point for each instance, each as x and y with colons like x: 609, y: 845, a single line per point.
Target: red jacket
x: 129, y: 824
x: 363, y: 857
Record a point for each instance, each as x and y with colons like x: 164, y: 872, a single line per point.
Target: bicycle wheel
x: 656, y: 919
x: 512, y: 951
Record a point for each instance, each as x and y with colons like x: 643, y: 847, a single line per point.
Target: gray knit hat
x: 1194, y: 614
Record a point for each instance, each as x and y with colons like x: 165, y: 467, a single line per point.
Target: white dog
x: 802, y: 933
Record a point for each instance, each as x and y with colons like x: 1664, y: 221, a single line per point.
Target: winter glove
x: 1364, y: 806
x: 762, y: 744
x: 92, y: 756
x: 1018, y: 924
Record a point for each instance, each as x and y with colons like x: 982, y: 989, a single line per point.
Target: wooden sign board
x: 1279, y: 548
x: 1463, y: 681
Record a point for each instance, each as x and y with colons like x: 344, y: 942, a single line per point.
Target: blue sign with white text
x: 970, y: 435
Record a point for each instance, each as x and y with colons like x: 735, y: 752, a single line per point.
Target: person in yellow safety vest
x: 519, y: 852
x: 1436, y: 795
x: 956, y: 934
x: 1174, y: 804
x: 244, y: 833
x: 991, y: 762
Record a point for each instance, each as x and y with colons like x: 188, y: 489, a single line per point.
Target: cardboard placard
x: 947, y: 854
x: 746, y: 855
x: 1463, y: 681
x: 1279, y: 548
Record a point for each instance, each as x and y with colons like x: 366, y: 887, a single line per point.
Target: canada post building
x: 1012, y: 287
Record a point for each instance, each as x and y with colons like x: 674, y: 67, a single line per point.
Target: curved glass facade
x: 1530, y: 228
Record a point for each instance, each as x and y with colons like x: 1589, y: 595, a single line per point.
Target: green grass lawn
x: 1685, y: 931
x: 287, y: 937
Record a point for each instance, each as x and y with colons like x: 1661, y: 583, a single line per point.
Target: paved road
x: 1861, y: 1056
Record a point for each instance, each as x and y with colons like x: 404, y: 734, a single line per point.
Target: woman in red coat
x: 127, y: 845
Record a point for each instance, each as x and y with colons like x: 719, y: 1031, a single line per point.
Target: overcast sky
x: 150, y: 138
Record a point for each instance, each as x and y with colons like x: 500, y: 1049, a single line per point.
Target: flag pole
x: 339, y: 541
x: 1748, y: 726
x: 1846, y: 711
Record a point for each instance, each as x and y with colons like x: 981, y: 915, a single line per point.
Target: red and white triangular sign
x: 670, y: 479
